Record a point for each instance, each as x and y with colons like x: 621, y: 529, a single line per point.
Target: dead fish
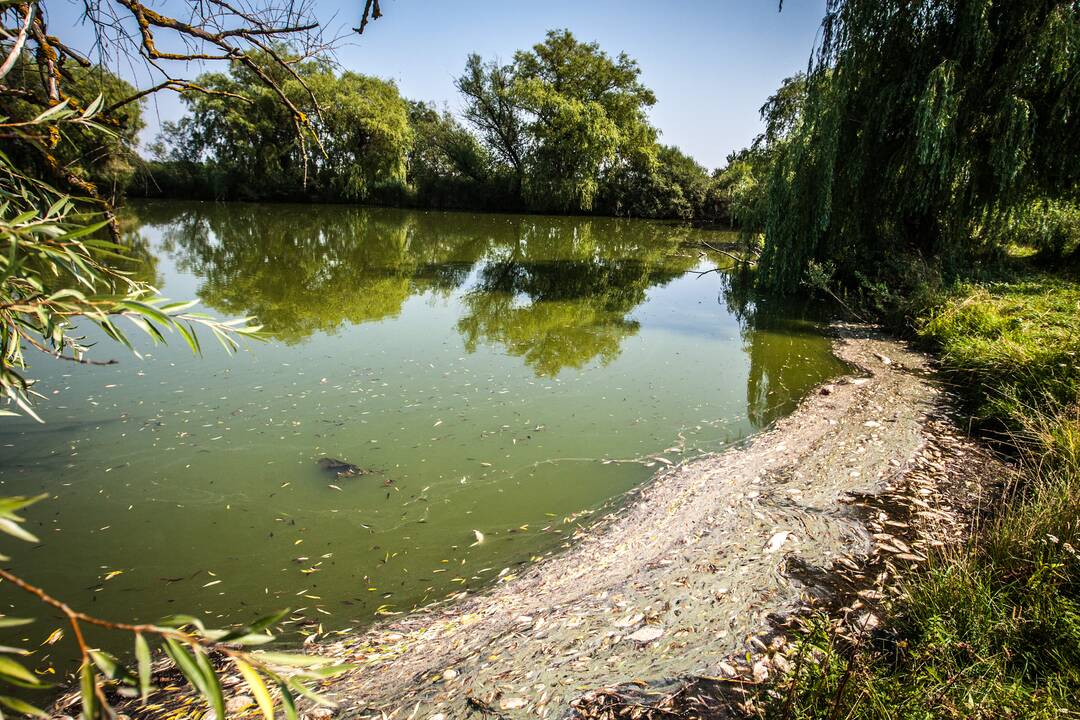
x: 342, y: 469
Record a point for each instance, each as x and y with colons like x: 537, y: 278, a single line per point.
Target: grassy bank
x: 991, y: 629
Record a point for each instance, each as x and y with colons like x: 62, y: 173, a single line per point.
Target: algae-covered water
x: 502, y: 377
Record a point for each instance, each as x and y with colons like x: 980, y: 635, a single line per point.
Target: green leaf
x: 15, y: 530
x: 213, y: 686
x: 9, y: 505
x: 255, y: 627
x: 110, y: 667
x: 93, y: 107
x: 181, y: 621
x: 142, y: 656
x: 54, y: 110
x: 6, y: 622
x: 87, y: 688
x: 11, y: 669
x: 290, y: 659
x: 288, y: 703
x: 328, y: 671
x: 186, y: 664
x: 258, y: 688
x: 309, y: 693
x: 23, y: 707
x: 85, y: 230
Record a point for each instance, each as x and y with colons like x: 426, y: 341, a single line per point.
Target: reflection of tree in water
x: 139, y: 261
x: 779, y: 339
x: 559, y: 295
x: 303, y: 269
x: 554, y: 291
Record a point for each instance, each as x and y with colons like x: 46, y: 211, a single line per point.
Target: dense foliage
x: 239, y: 142
x: 926, y: 128
x: 102, y: 155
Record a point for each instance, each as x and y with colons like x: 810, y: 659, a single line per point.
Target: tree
x: 492, y: 107
x: 740, y: 187
x: 449, y: 167
x: 588, y: 113
x: 107, y: 160
x: 561, y: 116
x: 665, y: 184
x: 927, y: 126
x: 360, y: 132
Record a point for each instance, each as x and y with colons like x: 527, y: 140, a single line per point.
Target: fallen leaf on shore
x: 646, y: 634
x: 761, y: 671
x: 777, y: 541
x: 629, y: 621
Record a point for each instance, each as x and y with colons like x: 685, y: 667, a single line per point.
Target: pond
x: 502, y: 377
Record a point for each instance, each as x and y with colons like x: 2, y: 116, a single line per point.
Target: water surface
x: 501, y: 374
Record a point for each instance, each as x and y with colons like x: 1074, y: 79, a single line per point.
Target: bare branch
x: 371, y: 12
x: 20, y: 40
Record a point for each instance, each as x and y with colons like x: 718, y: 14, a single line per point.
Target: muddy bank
x: 699, y: 566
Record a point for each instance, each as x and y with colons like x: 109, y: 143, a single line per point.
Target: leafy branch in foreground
x: 197, y: 652
x: 56, y: 267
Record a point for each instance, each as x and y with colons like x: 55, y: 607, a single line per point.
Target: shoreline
x: 696, y: 572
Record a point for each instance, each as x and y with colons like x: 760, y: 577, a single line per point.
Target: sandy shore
x: 698, y: 568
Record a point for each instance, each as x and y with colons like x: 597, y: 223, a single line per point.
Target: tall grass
x: 990, y: 629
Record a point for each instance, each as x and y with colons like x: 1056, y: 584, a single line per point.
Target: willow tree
x: 926, y: 126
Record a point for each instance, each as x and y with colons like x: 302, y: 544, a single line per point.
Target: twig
x: 733, y: 256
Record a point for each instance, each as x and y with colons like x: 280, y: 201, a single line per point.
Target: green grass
x: 992, y: 629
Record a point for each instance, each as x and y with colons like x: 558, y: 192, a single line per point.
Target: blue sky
x: 711, y: 63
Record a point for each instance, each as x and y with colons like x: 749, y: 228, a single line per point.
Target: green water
x: 489, y: 367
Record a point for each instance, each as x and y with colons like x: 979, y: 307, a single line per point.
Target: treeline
x: 562, y: 128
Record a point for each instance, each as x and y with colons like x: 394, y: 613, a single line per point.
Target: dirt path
x: 694, y: 566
